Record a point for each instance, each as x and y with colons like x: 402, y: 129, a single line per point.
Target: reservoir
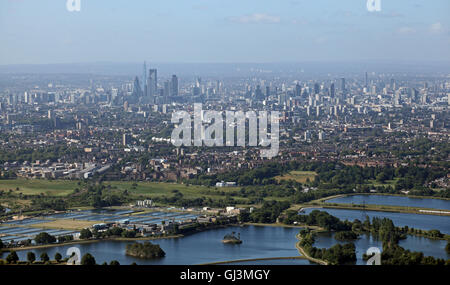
x: 417, y: 221
x: 258, y: 242
x: 393, y: 201
x: 199, y: 248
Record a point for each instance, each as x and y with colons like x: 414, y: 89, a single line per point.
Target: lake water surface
x: 418, y: 221
x: 393, y: 201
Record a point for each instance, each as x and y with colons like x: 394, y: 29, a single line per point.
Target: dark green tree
x: 44, y: 257
x: 58, y: 257
x: 44, y: 238
x: 12, y: 258
x: 31, y: 257
x: 88, y: 259
x: 85, y: 234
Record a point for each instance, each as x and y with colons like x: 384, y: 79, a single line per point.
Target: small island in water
x: 232, y: 238
x: 145, y: 250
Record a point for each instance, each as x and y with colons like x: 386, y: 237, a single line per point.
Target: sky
x: 223, y: 31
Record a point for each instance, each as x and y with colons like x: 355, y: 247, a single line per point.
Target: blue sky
x: 43, y: 31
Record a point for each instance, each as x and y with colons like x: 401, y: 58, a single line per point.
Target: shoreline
x: 304, y: 254
x: 119, y: 239
x: 252, y: 259
x: 381, y: 194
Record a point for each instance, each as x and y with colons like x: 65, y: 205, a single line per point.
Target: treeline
x: 268, y: 213
x: 44, y: 153
x: 178, y: 200
x: 13, y: 259
x: 332, y: 175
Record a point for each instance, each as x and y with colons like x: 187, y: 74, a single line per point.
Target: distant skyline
x: 216, y: 31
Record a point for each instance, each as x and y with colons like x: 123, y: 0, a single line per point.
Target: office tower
x: 332, y: 90
x: 307, y: 135
x: 298, y: 90
x: 268, y: 92
x: 152, y: 83
x: 316, y: 88
x: 137, y: 91
x: 321, y: 135
x: 56, y: 122
x: 367, y: 80
x: 174, y: 87
x: 50, y: 114
x: 218, y: 87
x: 282, y: 98
x: 166, y: 91
x: 393, y: 84
x: 343, y: 85
x: 258, y: 93
x: 126, y: 139
x: 318, y: 111
x: 144, y: 78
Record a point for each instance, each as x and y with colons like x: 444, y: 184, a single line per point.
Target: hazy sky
x: 44, y: 31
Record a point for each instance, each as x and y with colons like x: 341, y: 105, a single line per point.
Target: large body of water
x: 417, y: 221
x: 199, y: 248
x: 258, y: 242
x: 393, y: 201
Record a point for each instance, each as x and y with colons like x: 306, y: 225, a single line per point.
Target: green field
x: 298, y: 176
x: 61, y: 188
x: 160, y: 189
x: 38, y: 186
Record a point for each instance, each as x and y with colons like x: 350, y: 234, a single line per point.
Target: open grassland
x: 298, y: 176
x: 162, y: 189
x: 38, y: 186
x: 66, y: 224
x: 62, y: 188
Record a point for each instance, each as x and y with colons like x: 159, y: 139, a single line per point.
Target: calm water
x: 258, y: 242
x: 424, y: 222
x: 393, y: 201
x: 435, y: 248
x: 276, y: 262
x: 204, y: 247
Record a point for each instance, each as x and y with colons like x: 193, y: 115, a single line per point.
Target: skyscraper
x: 332, y: 90
x: 144, y: 78
x: 298, y: 90
x: 174, y: 85
x: 367, y: 80
x: 137, y: 91
x: 167, y: 91
x: 316, y: 88
x: 152, y: 83
x: 343, y: 89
